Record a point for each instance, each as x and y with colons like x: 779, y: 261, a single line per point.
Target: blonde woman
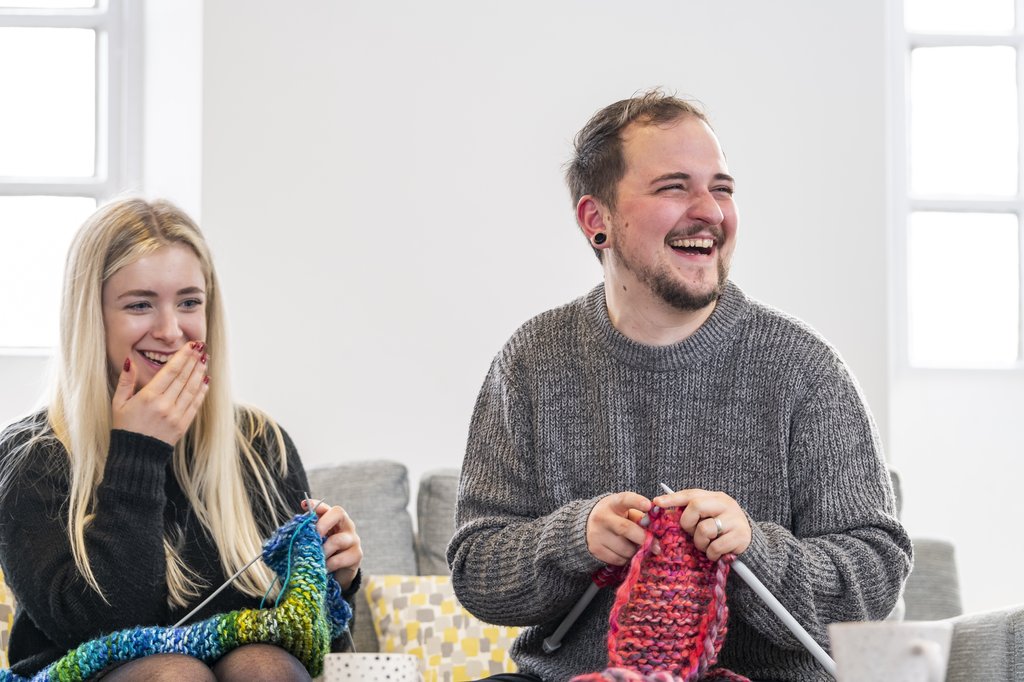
x: 142, y: 486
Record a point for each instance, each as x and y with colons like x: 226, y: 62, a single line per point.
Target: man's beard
x: 672, y: 291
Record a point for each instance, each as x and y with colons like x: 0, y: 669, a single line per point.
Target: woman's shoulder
x: 256, y: 426
x: 22, y: 432
x: 263, y: 436
x: 29, y: 450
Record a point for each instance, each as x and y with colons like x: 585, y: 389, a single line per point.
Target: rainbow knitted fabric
x: 309, y: 613
x: 669, y: 618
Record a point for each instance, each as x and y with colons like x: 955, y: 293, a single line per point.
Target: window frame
x: 119, y: 101
x: 904, y: 204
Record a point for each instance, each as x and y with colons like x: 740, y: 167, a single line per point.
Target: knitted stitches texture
x: 669, y: 618
x: 310, y: 613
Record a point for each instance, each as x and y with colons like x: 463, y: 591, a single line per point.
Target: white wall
x: 382, y: 185
x: 957, y: 440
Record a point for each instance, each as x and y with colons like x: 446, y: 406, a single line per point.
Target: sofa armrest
x: 376, y: 495
x: 987, y: 646
x: 933, y: 587
x: 435, y: 519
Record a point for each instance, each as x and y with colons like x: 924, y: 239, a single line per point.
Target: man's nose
x: 705, y: 208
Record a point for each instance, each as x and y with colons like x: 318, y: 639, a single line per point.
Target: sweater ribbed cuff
x: 755, y: 556
x: 137, y: 464
x: 573, y: 554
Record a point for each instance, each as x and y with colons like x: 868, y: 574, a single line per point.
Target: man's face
x: 674, y: 226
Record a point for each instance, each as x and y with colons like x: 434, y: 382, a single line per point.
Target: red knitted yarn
x: 669, y: 618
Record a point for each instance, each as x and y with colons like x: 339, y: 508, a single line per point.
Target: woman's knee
x: 260, y: 663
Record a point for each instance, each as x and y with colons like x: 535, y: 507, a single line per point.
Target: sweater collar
x: 731, y: 309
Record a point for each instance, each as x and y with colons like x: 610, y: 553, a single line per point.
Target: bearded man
x: 666, y: 371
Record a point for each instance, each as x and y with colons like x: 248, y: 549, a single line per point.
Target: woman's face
x: 153, y: 307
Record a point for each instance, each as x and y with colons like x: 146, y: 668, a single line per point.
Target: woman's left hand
x: 342, y: 549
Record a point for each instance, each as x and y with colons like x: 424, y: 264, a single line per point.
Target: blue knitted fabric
x: 309, y: 613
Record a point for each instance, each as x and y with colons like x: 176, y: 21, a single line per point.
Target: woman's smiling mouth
x: 156, y: 358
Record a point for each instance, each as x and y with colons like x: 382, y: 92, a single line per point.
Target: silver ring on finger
x: 718, y: 526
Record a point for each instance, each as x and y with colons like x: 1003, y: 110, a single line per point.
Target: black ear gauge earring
x: 600, y: 238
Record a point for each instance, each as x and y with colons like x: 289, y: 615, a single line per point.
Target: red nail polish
x: 192, y: 345
x: 127, y: 364
x: 203, y: 359
x: 206, y: 379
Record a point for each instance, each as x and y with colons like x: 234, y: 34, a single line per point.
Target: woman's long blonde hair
x: 220, y: 458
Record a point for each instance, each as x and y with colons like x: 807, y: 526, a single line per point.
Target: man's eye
x: 667, y: 187
x: 725, y: 190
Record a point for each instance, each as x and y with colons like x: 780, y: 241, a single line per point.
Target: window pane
x: 48, y: 117
x: 963, y: 286
x: 44, y: 4
x: 957, y: 16
x: 963, y: 121
x: 34, y: 236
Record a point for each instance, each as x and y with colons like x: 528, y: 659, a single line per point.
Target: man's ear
x: 591, y: 216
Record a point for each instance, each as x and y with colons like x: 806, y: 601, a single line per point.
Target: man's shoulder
x: 774, y: 325
x: 788, y: 341
x: 552, y: 331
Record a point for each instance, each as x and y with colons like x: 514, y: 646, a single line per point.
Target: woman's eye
x: 138, y: 306
x: 191, y: 303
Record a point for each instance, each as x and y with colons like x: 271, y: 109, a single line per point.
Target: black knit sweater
x: 138, y: 502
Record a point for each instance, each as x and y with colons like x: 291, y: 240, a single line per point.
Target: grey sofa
x: 376, y: 495
x: 986, y: 646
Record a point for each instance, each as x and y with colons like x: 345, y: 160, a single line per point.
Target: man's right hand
x: 614, y: 533
x: 166, y: 406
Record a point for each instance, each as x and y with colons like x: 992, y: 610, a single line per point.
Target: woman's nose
x: 166, y: 327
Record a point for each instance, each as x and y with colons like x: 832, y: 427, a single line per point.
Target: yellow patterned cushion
x: 419, y: 615
x: 6, y: 619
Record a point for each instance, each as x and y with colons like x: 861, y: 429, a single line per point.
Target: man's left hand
x: 716, y: 521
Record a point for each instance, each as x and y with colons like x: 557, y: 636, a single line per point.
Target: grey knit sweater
x: 754, y: 404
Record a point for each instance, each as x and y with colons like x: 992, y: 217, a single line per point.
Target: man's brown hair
x: 599, y: 163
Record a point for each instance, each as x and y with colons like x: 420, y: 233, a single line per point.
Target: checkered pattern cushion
x: 6, y: 619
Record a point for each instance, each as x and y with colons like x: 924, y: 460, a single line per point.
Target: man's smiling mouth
x: 695, y: 245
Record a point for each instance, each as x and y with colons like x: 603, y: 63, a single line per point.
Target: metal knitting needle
x: 779, y: 610
x: 233, y: 578
x: 601, y: 578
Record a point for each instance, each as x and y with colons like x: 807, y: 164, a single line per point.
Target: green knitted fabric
x: 309, y: 613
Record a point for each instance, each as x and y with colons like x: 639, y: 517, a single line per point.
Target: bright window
x: 69, y: 135
x: 958, y: 253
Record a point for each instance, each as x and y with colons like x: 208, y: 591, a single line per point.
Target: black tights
x: 249, y: 663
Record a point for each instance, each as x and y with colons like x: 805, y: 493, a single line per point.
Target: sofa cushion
x: 420, y: 615
x: 435, y: 519
x: 376, y: 495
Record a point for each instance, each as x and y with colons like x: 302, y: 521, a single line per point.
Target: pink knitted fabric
x: 668, y: 621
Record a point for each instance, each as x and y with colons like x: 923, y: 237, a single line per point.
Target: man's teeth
x: 156, y: 357
x: 692, y: 243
